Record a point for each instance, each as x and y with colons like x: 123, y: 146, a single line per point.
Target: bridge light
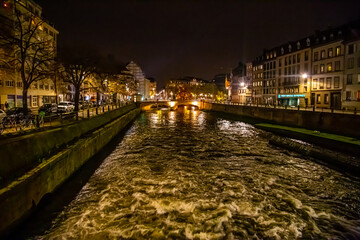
x: 172, y: 104
x: 194, y: 103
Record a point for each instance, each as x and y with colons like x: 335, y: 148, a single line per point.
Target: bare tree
x: 79, y: 64
x: 26, y: 47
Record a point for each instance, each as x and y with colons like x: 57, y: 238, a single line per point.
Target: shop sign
x: 291, y: 95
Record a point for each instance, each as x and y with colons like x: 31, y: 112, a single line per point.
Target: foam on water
x: 195, y: 176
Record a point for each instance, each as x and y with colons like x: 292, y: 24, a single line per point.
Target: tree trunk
x: 77, y: 97
x: 24, y: 98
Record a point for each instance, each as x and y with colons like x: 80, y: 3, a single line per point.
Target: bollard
x: 285, y: 107
x: 313, y: 108
x: 103, y: 108
x: 298, y: 107
x: 355, y: 111
x: 61, y: 118
x: 77, y: 115
x: 108, y: 107
x: 88, y: 113
x: 97, y: 111
x: 332, y: 110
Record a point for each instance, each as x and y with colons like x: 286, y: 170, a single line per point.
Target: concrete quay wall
x: 343, y: 124
x: 20, y: 196
x: 20, y: 154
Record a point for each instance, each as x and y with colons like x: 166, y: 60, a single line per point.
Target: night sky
x: 170, y: 39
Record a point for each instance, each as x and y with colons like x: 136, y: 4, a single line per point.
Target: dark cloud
x: 199, y: 38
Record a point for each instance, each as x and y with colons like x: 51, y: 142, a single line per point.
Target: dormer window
x: 308, y: 42
x: 339, y: 32
x: 298, y: 45
x: 282, y: 51
x: 324, y: 38
x: 331, y: 36
x: 289, y: 48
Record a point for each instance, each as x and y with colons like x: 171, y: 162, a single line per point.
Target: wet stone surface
x: 192, y: 175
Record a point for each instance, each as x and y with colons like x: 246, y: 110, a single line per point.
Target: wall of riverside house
x: 20, y: 196
x: 20, y: 154
x: 344, y: 124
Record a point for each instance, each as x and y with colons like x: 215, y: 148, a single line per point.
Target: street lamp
x: 304, y: 75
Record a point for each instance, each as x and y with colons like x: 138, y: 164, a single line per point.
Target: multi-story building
x: 139, y: 78
x: 327, y: 69
x: 293, y: 73
x: 147, y: 88
x: 248, y: 83
x: 269, y: 85
x: 257, y: 80
x: 351, y: 90
x: 152, y: 88
x: 11, y: 85
x: 238, y: 84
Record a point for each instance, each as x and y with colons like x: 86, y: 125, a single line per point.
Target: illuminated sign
x: 291, y: 95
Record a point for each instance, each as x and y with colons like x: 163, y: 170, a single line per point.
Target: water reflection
x: 188, y: 174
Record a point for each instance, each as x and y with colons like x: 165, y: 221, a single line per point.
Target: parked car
x: 2, y: 115
x: 65, y: 107
x: 48, y: 108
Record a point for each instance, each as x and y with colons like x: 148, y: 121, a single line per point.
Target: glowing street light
x: 304, y: 75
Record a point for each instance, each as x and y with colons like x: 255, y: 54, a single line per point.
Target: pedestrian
x: 6, y: 105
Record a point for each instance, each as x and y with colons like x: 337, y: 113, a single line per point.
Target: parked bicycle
x: 26, y: 121
x: 7, y: 123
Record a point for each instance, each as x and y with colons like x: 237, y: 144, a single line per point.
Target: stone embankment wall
x: 20, y: 154
x: 20, y: 196
x: 344, y: 124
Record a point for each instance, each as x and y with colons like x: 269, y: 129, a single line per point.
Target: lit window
x: 329, y: 67
x: 330, y: 52
x: 322, y: 54
x: 328, y: 82
x: 338, y: 51
x: 322, y: 68
x: 314, y: 83
x: 318, y: 98
x: 326, y: 98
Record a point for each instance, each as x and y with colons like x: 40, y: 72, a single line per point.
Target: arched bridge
x: 148, y: 105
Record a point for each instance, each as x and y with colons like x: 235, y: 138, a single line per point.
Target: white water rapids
x: 193, y: 175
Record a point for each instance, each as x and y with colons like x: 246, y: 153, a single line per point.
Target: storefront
x: 290, y: 100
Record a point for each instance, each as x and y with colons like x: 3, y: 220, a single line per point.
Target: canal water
x: 193, y: 175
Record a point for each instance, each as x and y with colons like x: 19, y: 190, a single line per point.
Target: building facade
x: 139, y: 75
x: 257, y: 81
x: 11, y: 85
x: 293, y: 73
x: 351, y: 90
x: 327, y: 70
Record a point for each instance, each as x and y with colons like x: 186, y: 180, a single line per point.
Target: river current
x: 193, y: 175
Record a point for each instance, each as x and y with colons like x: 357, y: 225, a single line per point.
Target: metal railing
x: 38, y: 122
x: 297, y: 108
